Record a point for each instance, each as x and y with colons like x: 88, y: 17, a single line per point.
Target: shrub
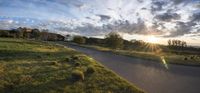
x: 77, y: 64
x: 48, y: 54
x: 114, y: 40
x: 79, y: 40
x: 77, y: 75
x: 185, y: 58
x: 90, y: 70
x: 26, y: 79
x: 75, y: 57
x: 192, y: 57
x: 67, y: 59
x: 9, y: 87
x: 39, y: 56
x: 54, y: 63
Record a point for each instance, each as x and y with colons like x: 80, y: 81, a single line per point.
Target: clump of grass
x: 39, y: 56
x: 1, y: 69
x: 192, y: 57
x: 48, y: 54
x: 67, y: 59
x: 78, y: 75
x: 185, y: 58
x: 75, y: 57
x: 26, y: 79
x: 77, y: 64
x: 54, y: 63
x: 90, y: 69
x: 8, y: 88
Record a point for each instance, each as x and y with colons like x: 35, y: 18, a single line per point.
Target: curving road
x: 150, y: 76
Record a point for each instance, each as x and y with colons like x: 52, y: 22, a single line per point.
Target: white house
x: 69, y: 38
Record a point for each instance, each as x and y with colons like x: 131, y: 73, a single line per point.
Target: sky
x: 133, y: 19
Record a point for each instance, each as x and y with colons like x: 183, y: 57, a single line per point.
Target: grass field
x: 39, y: 67
x: 172, y: 58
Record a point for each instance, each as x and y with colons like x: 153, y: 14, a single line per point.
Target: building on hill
x: 69, y: 38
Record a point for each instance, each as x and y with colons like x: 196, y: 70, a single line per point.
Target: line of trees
x: 112, y: 40
x: 177, y: 43
x: 115, y: 41
x: 28, y: 33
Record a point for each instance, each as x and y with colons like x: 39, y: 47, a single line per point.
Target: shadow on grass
x: 11, y: 55
x: 19, y: 42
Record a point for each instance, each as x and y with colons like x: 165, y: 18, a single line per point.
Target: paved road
x: 151, y: 76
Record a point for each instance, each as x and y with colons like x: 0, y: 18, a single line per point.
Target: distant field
x: 184, y: 59
x: 39, y: 67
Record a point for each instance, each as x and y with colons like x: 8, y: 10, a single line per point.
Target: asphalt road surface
x: 152, y: 77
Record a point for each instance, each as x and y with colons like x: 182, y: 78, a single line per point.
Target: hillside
x: 40, y: 67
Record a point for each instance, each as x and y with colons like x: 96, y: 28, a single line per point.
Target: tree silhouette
x: 177, y: 43
x: 114, y: 40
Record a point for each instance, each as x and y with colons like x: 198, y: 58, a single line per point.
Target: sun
x: 152, y: 39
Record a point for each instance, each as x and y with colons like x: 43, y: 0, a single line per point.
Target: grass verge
x: 39, y: 67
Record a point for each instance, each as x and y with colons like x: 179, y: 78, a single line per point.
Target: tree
x: 79, y: 40
x: 35, y: 33
x: 4, y: 33
x: 169, y: 42
x: 177, y: 43
x: 114, y: 40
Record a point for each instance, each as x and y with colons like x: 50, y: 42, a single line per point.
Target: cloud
x: 96, y: 17
x: 132, y: 28
x: 181, y: 29
x: 141, y: 1
x: 157, y: 5
x: 180, y: 1
x: 168, y: 17
x: 104, y: 17
x: 195, y: 17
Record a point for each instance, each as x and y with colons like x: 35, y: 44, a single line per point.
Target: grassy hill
x: 39, y: 67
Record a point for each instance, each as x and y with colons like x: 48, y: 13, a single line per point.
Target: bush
x: 39, y: 56
x: 67, y: 59
x: 78, y: 75
x: 192, y: 57
x: 26, y: 79
x: 75, y: 57
x: 114, y: 40
x: 77, y: 64
x: 79, y: 40
x: 185, y: 58
x: 48, y: 54
x: 55, y: 63
x: 90, y: 70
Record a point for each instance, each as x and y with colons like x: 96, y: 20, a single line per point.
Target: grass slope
x: 38, y: 67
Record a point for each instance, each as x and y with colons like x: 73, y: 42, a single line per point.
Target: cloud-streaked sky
x: 134, y: 19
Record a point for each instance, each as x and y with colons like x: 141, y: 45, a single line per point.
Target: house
x: 69, y: 38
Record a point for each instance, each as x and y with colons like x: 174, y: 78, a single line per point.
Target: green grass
x: 39, y: 67
x: 172, y: 58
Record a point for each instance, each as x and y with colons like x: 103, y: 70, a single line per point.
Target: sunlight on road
x: 164, y: 62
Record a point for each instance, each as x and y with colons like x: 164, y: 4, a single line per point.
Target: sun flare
x: 152, y: 39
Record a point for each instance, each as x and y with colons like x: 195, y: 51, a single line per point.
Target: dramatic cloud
x: 165, y: 18
x: 196, y: 17
x: 180, y: 1
x: 104, y: 17
x: 168, y: 17
x: 157, y: 5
